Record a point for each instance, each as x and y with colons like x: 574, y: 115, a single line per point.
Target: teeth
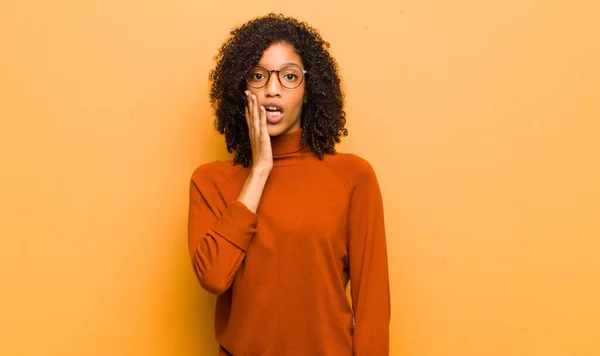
x: 272, y: 108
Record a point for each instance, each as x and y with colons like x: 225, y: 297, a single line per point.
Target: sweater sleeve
x: 218, y: 235
x: 369, y: 279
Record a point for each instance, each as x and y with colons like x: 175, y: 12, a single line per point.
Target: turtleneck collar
x: 287, y: 148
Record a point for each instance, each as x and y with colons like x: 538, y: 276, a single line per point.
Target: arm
x: 219, y: 233
x: 218, y: 236
x: 368, y: 267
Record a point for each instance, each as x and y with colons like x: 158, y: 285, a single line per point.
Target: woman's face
x: 283, y: 106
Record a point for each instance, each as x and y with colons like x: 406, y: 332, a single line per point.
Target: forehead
x: 279, y: 54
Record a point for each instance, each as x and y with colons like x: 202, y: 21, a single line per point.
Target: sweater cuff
x: 237, y: 225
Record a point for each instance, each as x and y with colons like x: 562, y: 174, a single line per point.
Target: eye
x: 258, y: 76
x: 291, y: 74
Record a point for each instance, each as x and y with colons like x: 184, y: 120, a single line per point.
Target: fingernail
x: 253, y: 97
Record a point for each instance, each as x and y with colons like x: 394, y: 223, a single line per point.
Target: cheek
x: 298, y: 99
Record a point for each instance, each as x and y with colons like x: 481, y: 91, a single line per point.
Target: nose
x: 273, y: 86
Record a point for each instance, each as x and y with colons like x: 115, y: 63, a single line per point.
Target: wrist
x: 260, y: 171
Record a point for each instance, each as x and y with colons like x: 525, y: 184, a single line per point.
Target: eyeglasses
x: 290, y: 76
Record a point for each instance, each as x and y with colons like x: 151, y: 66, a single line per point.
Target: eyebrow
x: 284, y: 64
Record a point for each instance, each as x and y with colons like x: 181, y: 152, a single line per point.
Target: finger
x: 263, y: 121
x: 255, y: 114
x: 247, y: 116
x: 248, y: 112
x: 249, y: 101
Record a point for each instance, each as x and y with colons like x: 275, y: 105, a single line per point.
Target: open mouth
x: 274, y: 109
x: 274, y: 113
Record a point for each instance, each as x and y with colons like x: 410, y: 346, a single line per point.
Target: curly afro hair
x: 323, y: 118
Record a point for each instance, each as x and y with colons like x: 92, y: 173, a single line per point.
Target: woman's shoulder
x: 214, y: 171
x: 352, y: 166
x: 348, y: 161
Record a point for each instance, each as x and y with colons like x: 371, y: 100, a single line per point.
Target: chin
x: 282, y: 128
x: 275, y: 130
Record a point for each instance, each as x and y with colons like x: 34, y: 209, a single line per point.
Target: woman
x: 278, y: 231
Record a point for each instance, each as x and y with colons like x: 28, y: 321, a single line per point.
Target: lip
x: 273, y: 103
x: 274, y: 119
x: 270, y: 118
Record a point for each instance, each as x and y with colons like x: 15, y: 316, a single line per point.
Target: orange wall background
x: 481, y: 119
